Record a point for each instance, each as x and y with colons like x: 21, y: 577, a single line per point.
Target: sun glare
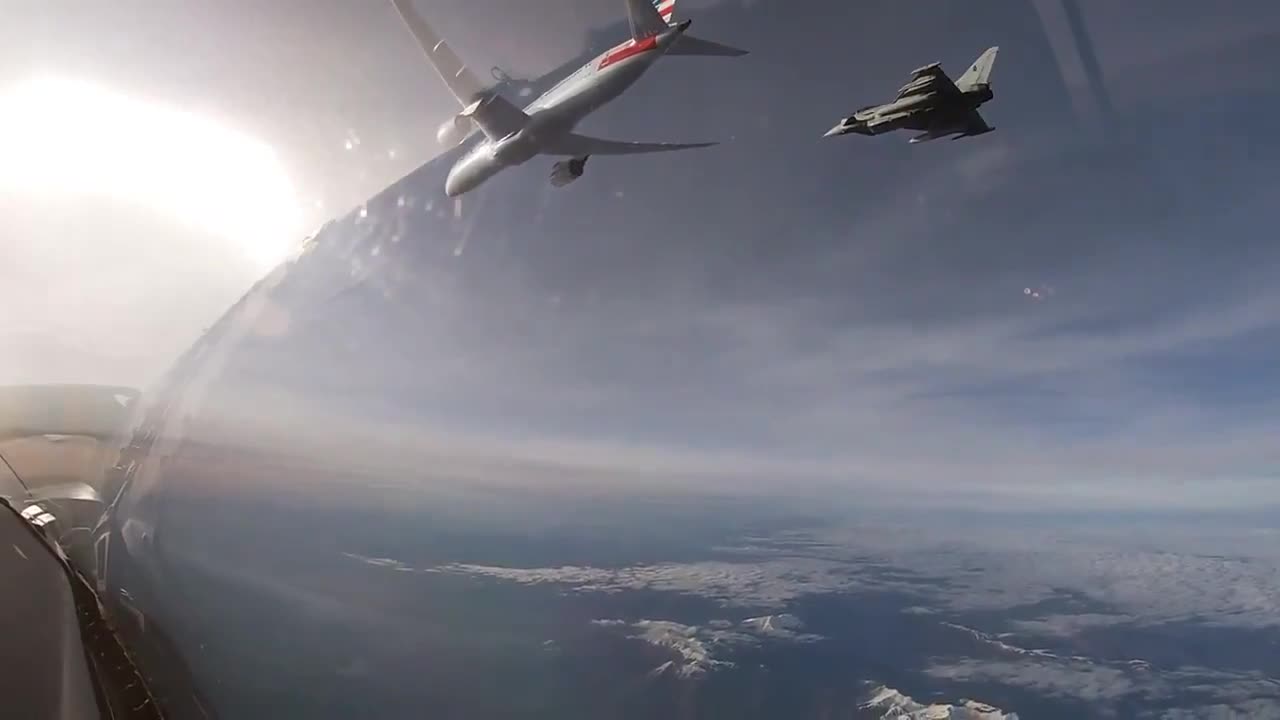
x: 72, y: 137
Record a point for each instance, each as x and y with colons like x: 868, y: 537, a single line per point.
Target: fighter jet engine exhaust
x: 566, y: 171
x: 453, y: 131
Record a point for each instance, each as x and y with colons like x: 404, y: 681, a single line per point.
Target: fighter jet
x: 931, y: 103
x: 513, y: 136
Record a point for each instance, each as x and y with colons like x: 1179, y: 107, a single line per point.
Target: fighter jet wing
x: 574, y: 144
x: 496, y: 116
x: 930, y: 78
x: 921, y: 120
x: 974, y: 124
x: 936, y: 126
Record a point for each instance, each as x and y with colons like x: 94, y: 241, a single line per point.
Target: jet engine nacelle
x: 981, y: 92
x: 454, y: 130
x: 566, y: 171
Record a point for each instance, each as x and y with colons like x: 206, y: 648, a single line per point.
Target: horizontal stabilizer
x: 574, y: 144
x: 690, y: 45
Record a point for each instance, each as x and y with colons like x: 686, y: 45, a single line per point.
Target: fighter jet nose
x: 839, y: 129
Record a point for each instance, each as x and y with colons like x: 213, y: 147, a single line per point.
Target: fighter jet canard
x: 513, y: 136
x: 931, y: 103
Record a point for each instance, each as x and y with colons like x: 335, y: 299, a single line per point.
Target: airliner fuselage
x: 558, y: 111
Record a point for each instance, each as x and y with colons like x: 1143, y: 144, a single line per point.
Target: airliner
x: 513, y: 136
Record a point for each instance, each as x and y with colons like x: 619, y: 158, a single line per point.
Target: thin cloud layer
x: 768, y: 584
x: 963, y: 570
x: 1248, y: 694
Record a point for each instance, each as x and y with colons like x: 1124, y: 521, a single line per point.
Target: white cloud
x: 389, y: 563
x: 894, y: 704
x: 784, y: 626
x: 1252, y: 709
x: 1083, y: 681
x: 699, y: 645
x: 1101, y: 684
x: 1226, y: 686
x: 1205, y: 576
x: 1062, y: 625
x: 972, y: 568
x: 1168, y: 572
x: 764, y: 584
x: 999, y: 644
x: 918, y: 610
x: 694, y: 645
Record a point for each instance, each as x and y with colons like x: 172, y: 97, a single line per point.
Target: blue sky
x: 855, y: 314
x: 849, y: 313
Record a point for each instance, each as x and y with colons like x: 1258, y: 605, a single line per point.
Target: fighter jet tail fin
x: 979, y: 73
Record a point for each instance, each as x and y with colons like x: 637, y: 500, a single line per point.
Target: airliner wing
x: 573, y: 144
x: 496, y: 116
